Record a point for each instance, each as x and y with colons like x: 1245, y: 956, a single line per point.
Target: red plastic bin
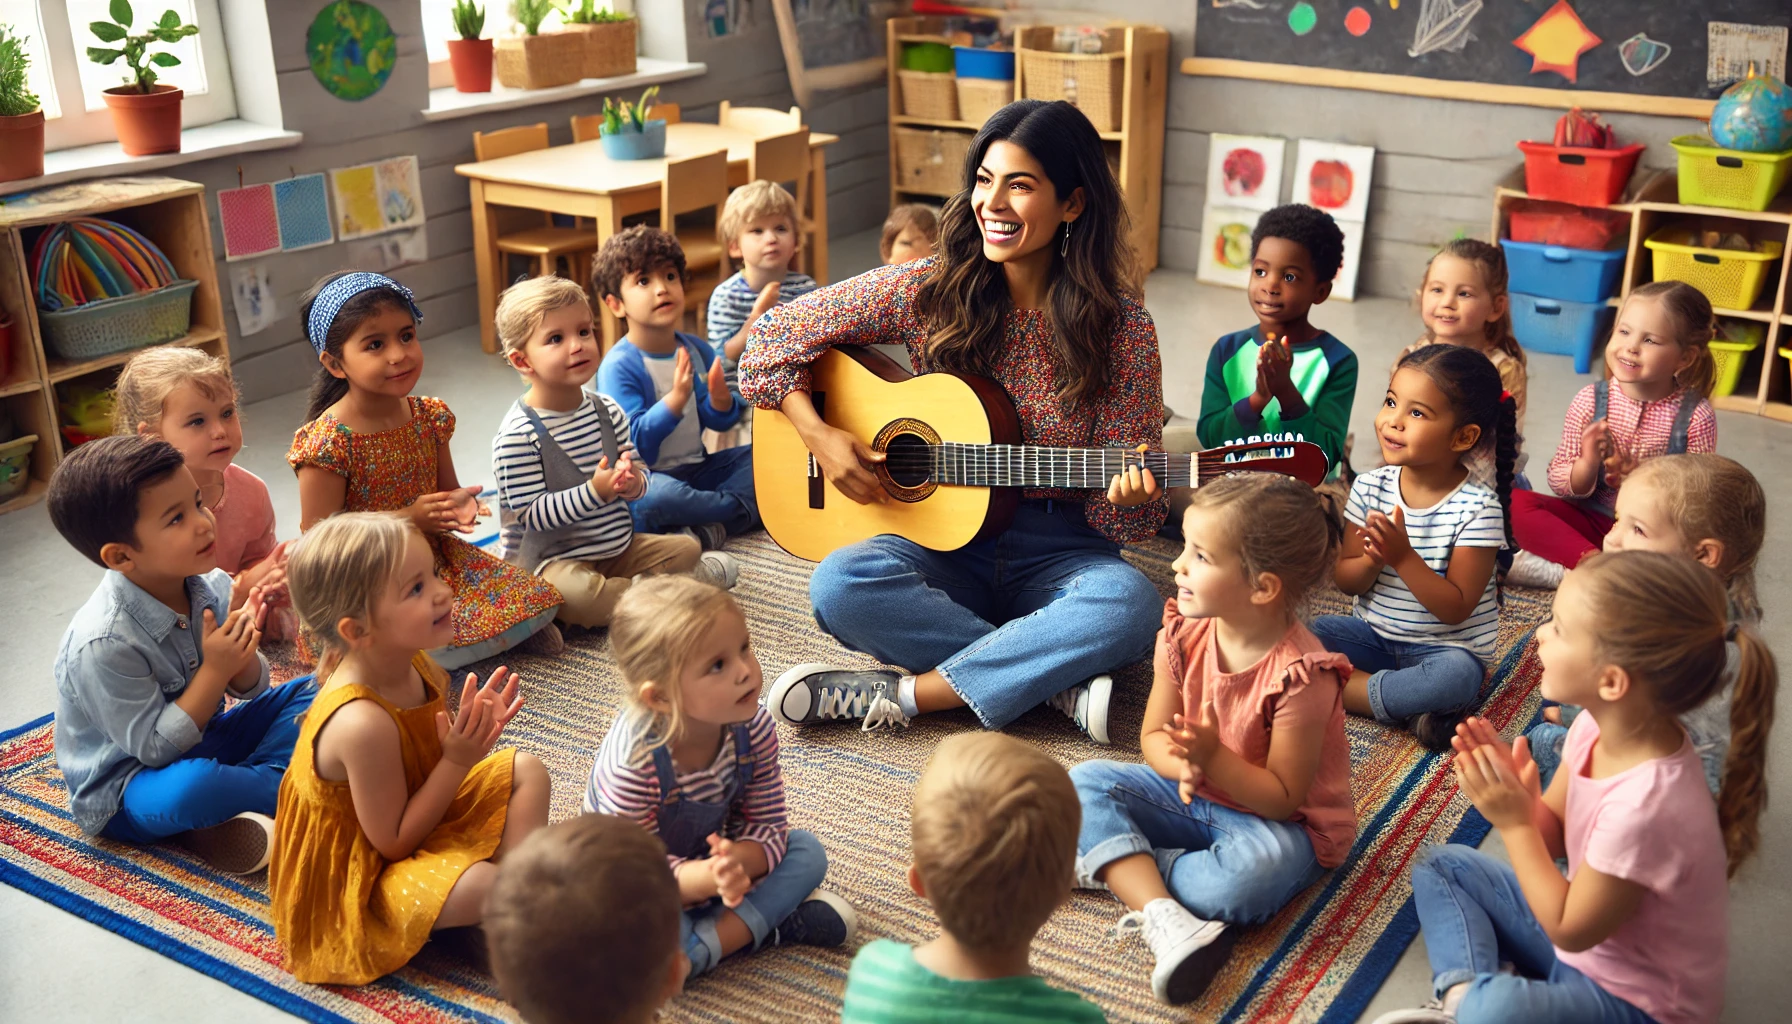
x: 1566, y: 225
x: 1575, y: 174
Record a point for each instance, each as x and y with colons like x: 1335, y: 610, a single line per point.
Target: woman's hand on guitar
x: 1134, y: 486
x: 847, y: 462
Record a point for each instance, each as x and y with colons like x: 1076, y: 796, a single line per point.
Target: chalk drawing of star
x: 1556, y: 41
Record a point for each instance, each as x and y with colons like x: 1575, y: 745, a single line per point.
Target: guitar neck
x: 1025, y: 465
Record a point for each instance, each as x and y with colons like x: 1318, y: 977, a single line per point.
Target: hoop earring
x: 1064, y: 249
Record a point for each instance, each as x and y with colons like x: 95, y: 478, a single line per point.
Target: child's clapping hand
x: 1275, y: 366
x: 1619, y: 464
x: 1502, y: 782
x: 449, y: 511
x: 720, y: 398
x: 480, y: 719
x: 231, y: 646
x: 1385, y: 539
x: 1195, y: 742
x: 623, y: 481
x: 732, y: 880
x: 269, y: 574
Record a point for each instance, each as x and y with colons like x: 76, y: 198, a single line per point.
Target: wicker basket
x: 540, y: 62
x: 931, y: 162
x: 116, y: 325
x: 1095, y: 83
x: 978, y: 98
x: 928, y: 94
x: 609, y: 47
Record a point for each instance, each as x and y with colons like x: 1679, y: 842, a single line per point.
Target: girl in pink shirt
x: 1244, y: 796
x: 1636, y: 931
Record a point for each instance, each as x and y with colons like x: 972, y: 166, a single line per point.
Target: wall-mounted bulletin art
x: 1245, y: 171
x: 253, y: 298
x: 304, y: 208
x: 377, y: 197
x: 249, y: 220
x: 1226, y: 245
x: 352, y: 49
x: 1334, y: 177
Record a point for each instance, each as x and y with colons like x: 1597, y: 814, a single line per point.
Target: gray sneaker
x: 814, y: 693
x: 1530, y: 570
x: 718, y: 568
x: 240, y: 846
x: 1087, y: 706
x: 710, y: 535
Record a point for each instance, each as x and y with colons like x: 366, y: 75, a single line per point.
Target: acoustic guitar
x: 955, y: 465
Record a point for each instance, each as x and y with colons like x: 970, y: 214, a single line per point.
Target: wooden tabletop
x: 583, y: 167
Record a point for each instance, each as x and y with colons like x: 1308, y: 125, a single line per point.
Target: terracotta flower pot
x: 609, y: 47
x: 146, y: 122
x: 471, y: 61
x: 21, y: 149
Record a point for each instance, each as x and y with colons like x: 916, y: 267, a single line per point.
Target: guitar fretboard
x: 1025, y: 465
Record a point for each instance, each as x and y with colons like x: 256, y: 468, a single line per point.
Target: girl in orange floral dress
x: 369, y: 445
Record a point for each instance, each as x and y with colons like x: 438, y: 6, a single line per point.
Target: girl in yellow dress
x: 392, y: 812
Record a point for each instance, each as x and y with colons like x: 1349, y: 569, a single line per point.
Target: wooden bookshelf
x: 169, y: 212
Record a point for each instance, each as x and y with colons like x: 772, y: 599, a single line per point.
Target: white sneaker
x: 240, y: 846
x: 1189, y: 951
x: 1531, y: 570
x: 1430, y: 1013
x: 718, y: 568
x: 1087, y: 705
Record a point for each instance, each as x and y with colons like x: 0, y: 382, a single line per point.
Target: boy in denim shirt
x: 145, y: 747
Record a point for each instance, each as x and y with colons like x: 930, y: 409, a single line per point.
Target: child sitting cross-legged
x: 143, y: 740
x: 759, y: 227
x: 1244, y: 796
x: 672, y: 387
x: 693, y: 758
x: 566, y: 469
x: 582, y: 927
x: 994, y: 829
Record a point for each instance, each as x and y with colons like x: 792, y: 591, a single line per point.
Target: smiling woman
x: 1033, y: 289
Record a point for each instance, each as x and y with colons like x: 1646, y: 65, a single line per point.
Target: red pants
x: 1553, y: 528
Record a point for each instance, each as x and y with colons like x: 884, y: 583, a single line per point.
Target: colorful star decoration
x: 1556, y: 41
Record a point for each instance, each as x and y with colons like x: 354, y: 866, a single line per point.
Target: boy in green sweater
x: 1284, y: 375
x: 994, y: 829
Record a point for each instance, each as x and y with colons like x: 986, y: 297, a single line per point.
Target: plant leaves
x: 106, y: 32
x: 121, y: 12
x: 165, y: 60
x: 172, y: 35
x: 101, y: 55
x: 170, y: 19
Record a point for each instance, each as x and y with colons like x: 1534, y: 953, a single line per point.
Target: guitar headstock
x: 1289, y: 454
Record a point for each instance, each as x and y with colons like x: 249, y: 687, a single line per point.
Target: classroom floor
x: 57, y: 968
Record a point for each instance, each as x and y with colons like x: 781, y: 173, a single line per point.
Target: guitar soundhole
x: 908, y: 460
x: 905, y: 473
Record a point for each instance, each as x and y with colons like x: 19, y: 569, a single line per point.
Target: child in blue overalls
x: 693, y: 758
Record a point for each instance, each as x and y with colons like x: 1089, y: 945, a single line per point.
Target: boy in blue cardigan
x: 671, y: 386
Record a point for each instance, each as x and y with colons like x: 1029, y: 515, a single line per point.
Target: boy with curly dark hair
x: 671, y: 385
x: 1284, y: 375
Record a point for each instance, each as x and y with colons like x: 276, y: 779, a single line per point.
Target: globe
x: 1754, y: 115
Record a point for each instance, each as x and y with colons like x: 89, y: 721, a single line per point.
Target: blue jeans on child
x: 1405, y: 678
x: 1222, y: 864
x: 1009, y: 621
x: 1474, y: 916
x: 235, y: 767
x: 772, y: 900
x: 717, y: 490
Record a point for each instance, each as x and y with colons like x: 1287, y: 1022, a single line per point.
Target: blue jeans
x: 1547, y: 740
x: 1474, y: 916
x: 771, y: 900
x: 1405, y: 678
x: 1222, y: 864
x: 1008, y: 622
x: 717, y: 490
x: 235, y: 767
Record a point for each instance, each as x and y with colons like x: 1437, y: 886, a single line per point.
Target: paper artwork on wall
x: 374, y: 198
x: 1226, y: 245
x: 352, y: 49
x: 304, y: 210
x: 251, y: 225
x: 1334, y: 177
x: 1245, y: 171
x: 1442, y: 25
x: 253, y: 298
x: 1732, y: 47
x: 1344, y: 285
x: 386, y: 252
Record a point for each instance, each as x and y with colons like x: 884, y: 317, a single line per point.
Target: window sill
x: 225, y: 138
x: 446, y: 104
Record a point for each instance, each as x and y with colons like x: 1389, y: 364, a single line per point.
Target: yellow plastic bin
x: 1730, y: 278
x: 1712, y: 176
x: 1730, y: 350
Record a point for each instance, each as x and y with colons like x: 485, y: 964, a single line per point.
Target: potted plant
x: 535, y: 60
x: 470, y: 57
x: 627, y: 134
x: 21, y: 123
x: 146, y: 115
x: 609, y: 38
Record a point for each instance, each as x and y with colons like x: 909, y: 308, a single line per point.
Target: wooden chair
x: 785, y: 159
x: 670, y: 113
x: 585, y: 126
x: 535, y: 235
x: 692, y: 184
x: 759, y: 120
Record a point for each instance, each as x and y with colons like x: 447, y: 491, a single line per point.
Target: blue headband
x: 334, y: 295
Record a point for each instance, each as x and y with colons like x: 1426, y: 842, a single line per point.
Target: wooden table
x: 580, y: 181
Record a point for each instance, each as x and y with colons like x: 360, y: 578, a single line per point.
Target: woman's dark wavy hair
x: 965, y: 300
x: 1472, y: 384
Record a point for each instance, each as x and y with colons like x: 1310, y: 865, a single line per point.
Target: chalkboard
x: 1464, y: 48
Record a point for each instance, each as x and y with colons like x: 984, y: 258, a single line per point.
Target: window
x: 71, y: 87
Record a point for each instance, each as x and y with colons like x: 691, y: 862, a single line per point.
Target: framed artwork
x: 1226, y: 245
x: 1245, y: 171
x: 1334, y: 177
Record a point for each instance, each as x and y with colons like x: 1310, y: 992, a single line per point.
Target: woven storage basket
x: 1095, y: 82
x: 540, y: 62
x: 978, y: 98
x: 929, y: 94
x: 609, y: 47
x: 116, y: 325
x: 931, y: 162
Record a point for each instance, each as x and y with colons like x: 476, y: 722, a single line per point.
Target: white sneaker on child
x: 1087, y: 705
x: 718, y: 568
x: 1532, y: 570
x: 240, y: 846
x: 1189, y: 951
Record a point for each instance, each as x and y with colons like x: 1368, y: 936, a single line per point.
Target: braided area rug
x: 1321, y: 959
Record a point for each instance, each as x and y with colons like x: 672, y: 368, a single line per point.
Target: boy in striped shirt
x: 759, y: 226
x: 994, y: 828
x: 566, y: 469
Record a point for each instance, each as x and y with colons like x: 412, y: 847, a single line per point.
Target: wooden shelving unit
x: 1135, y: 152
x: 169, y: 212
x: 1765, y: 388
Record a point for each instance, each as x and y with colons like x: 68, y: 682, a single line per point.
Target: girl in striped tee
x: 693, y: 758
x: 1426, y: 541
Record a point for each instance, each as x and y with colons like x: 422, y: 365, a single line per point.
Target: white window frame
x: 66, y: 46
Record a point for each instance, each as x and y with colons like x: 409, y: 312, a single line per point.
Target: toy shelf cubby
x: 169, y: 212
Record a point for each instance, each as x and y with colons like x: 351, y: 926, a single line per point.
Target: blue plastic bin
x: 1560, y: 326
x: 976, y: 62
x: 1554, y: 272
